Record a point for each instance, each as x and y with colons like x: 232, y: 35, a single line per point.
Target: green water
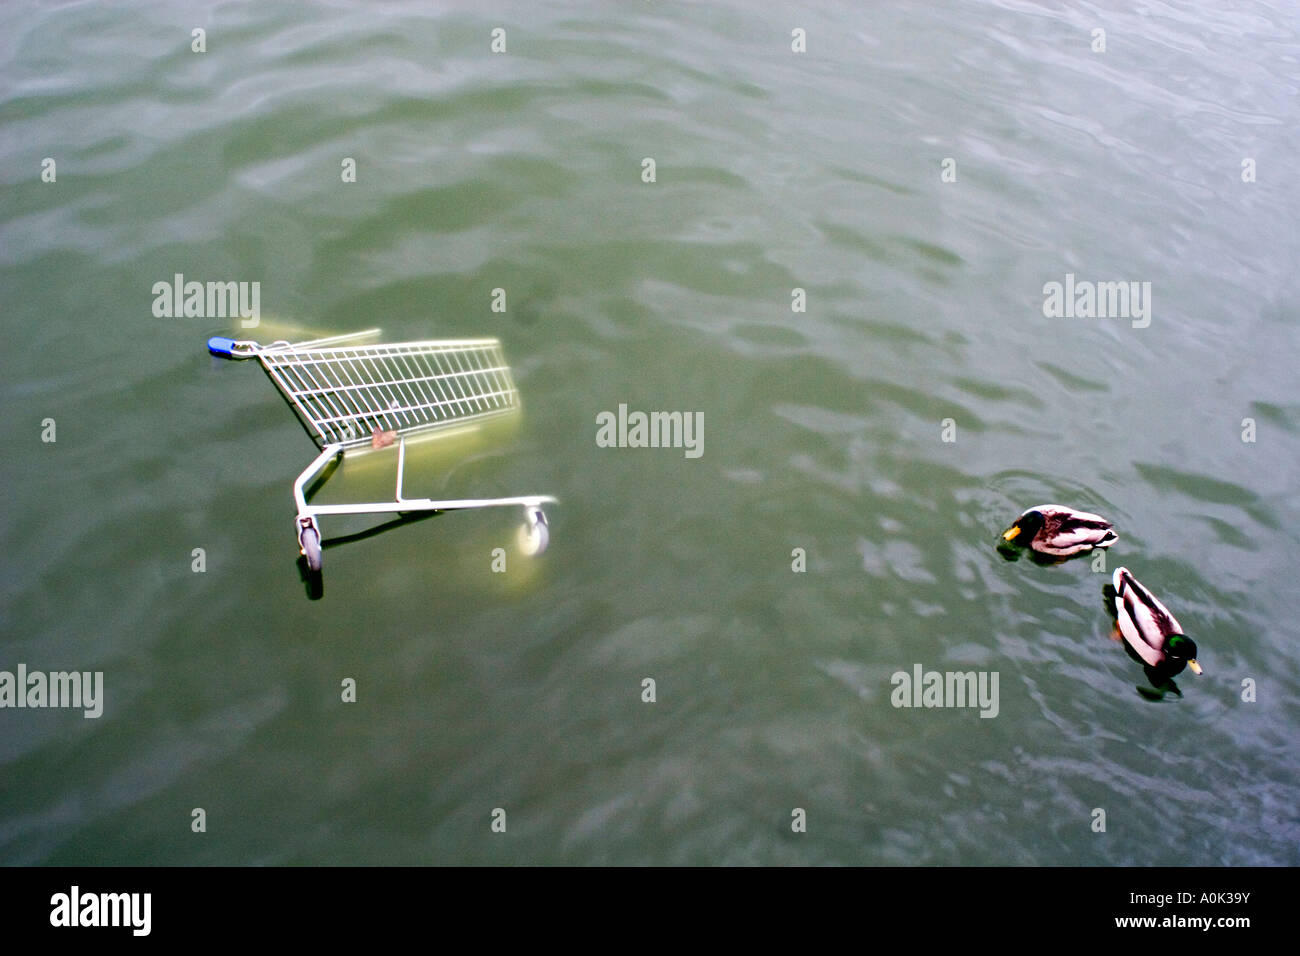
x: 774, y: 170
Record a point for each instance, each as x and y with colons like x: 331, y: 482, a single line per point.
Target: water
x: 775, y: 171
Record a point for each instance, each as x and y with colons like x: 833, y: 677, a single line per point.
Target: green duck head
x: 1024, y: 528
x: 1182, y: 648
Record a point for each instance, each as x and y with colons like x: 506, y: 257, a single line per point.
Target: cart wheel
x: 309, y: 543
x: 534, y: 534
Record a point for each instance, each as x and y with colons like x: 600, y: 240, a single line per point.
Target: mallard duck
x: 1059, y: 532
x: 1152, y: 634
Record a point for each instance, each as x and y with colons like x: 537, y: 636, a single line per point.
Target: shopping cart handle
x: 220, y: 345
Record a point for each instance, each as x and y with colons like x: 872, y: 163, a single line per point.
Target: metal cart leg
x: 535, y: 533
x: 309, y: 536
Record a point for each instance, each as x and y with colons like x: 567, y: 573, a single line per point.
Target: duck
x: 1059, y: 532
x: 1151, y: 634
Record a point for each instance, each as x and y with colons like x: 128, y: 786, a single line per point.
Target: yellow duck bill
x: 1010, y: 533
x: 1195, y: 666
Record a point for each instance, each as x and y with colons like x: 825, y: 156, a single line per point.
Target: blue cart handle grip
x: 229, y: 348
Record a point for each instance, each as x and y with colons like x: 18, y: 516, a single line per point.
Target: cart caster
x: 534, y: 534
x: 309, y: 543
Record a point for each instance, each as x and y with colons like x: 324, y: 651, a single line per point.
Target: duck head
x: 1182, y: 649
x: 1024, y: 528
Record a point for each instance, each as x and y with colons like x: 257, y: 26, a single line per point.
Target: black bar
x: 965, y: 906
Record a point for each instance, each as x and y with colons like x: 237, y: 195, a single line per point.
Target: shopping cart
x: 351, y: 397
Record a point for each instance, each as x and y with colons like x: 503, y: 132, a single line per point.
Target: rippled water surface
x: 774, y: 171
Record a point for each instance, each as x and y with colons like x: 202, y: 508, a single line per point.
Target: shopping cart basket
x: 353, y: 396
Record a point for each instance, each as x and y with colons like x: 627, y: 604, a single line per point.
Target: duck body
x: 1150, y: 632
x: 1059, y: 532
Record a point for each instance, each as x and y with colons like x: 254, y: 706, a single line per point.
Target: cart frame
x: 420, y: 387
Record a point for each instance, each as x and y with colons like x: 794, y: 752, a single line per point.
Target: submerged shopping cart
x: 351, y: 397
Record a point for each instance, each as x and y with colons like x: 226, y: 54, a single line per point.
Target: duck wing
x: 1067, y: 532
